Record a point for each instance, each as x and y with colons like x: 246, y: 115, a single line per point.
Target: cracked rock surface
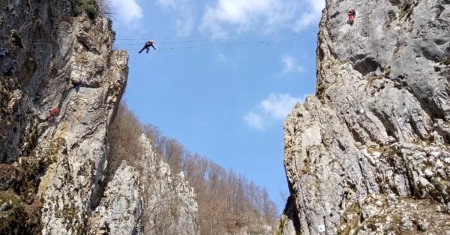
x: 377, y: 129
x: 53, y: 172
x: 121, y: 209
x: 60, y: 163
x: 170, y: 203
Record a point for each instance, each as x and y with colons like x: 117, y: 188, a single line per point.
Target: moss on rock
x: 12, y: 214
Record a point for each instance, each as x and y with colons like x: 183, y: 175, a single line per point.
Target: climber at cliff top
x: 147, y: 46
x: 351, y: 16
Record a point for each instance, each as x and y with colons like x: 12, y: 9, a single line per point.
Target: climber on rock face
x: 147, y: 46
x: 52, y: 113
x: 351, y: 16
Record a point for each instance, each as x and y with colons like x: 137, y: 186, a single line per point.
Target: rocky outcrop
x: 53, y: 171
x: 86, y: 113
x: 54, y: 59
x: 121, y: 209
x: 170, y: 203
x: 369, y: 153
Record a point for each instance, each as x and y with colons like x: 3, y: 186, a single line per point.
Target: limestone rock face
x: 289, y: 220
x: 369, y: 153
x: 53, y: 171
x: 96, y: 78
x: 121, y: 208
x: 54, y: 59
x: 170, y: 203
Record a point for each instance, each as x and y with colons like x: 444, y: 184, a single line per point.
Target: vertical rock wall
x: 53, y: 172
x: 121, y: 208
x: 369, y: 153
x: 54, y: 59
x: 170, y: 203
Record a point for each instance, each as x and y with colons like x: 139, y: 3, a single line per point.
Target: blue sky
x: 224, y: 76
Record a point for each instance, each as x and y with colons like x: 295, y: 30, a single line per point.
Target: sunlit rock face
x: 369, y: 153
x: 54, y: 170
x: 170, y: 203
x: 54, y: 59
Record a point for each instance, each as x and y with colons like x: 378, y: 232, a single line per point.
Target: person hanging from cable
x: 147, y: 46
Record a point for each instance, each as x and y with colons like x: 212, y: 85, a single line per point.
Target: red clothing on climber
x: 52, y: 113
x: 351, y: 16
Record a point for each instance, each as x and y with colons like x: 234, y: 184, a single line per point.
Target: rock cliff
x: 53, y: 170
x: 170, y: 203
x: 369, y: 153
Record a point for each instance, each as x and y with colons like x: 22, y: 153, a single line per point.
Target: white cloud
x: 185, y: 24
x: 128, y: 12
x: 183, y: 13
x: 305, y: 20
x: 310, y: 16
x: 290, y: 65
x: 276, y: 107
x: 234, y: 16
x: 254, y: 120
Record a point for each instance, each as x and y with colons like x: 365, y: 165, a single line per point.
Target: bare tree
x: 227, y: 201
x: 104, y: 8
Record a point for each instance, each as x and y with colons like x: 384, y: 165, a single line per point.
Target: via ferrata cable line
x: 180, y: 46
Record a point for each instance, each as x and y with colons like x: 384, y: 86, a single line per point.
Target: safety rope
x: 135, y: 44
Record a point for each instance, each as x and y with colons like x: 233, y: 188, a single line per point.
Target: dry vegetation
x: 227, y: 202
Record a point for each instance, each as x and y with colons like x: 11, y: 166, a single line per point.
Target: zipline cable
x: 199, y: 40
x: 198, y: 46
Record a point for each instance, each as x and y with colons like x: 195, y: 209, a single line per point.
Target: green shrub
x: 90, y: 7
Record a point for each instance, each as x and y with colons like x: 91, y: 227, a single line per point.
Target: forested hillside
x: 227, y: 202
